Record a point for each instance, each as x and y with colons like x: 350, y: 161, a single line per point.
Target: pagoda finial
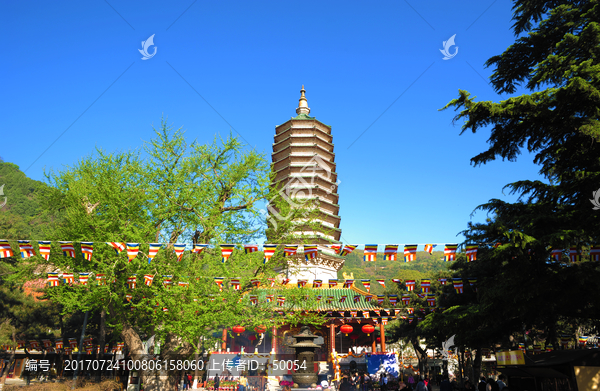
x: 303, y: 103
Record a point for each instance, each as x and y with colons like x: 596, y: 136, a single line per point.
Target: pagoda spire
x: 303, y: 103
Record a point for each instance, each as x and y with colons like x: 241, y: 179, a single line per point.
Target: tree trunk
x: 173, y: 349
x: 477, y: 365
x: 421, y: 356
x: 10, y: 361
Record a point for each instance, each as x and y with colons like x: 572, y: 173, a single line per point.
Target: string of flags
x: 370, y: 251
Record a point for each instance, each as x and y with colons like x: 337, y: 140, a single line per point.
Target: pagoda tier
x: 303, y: 163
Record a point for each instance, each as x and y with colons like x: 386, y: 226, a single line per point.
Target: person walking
x: 217, y: 382
x: 445, y: 384
x: 421, y: 385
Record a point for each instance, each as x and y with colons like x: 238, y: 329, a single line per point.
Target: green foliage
x: 173, y: 192
x: 519, y: 286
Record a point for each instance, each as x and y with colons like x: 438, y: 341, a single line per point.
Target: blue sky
x: 373, y: 71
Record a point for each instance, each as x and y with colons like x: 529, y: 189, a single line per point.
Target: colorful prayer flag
x: 368, y: 298
x: 302, y: 283
x: 450, y: 252
x: 595, y: 253
x: 391, y: 252
x: 332, y: 283
x: 250, y: 248
x: 5, y: 249
x: 253, y: 299
x: 317, y: 283
x: 269, y: 250
x: 132, y: 250
x: 393, y: 299
x: 429, y: 248
x: 370, y: 253
x: 343, y: 298
x: 356, y: 298
x: 226, y: 251
x: 443, y: 280
x: 255, y: 282
x: 397, y: 280
x: 366, y: 284
x: 101, y: 279
x: 458, y: 284
x: 431, y: 300
x: 26, y: 249
x: 280, y: 301
x: 235, y: 283
x: 68, y: 249
x: 410, y: 285
x: 68, y: 278
x: 348, y: 248
x: 380, y: 299
x: 183, y: 284
x: 271, y: 281
x: 405, y: 299
x: 148, y: 278
x: 59, y: 343
x: 132, y: 281
x: 219, y: 282
x: 425, y: 285
x: 348, y: 283
x: 290, y: 249
x: 366, y: 314
x: 556, y: 254
x: 471, y: 250
x: 44, y: 249
x: 410, y: 252
x: 310, y: 252
x: 53, y: 279
x: 179, y: 248
x: 198, y: 248
x: 381, y: 281
x: 473, y: 284
x: 83, y: 278
x: 118, y: 246
x: 574, y: 254
x: 167, y: 281
x: 87, y: 249
x: 153, y: 250
x: 337, y: 248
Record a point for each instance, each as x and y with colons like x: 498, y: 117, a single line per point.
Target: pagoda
x: 304, y: 167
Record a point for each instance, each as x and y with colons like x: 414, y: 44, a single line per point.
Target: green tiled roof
x: 303, y: 116
x: 335, y: 304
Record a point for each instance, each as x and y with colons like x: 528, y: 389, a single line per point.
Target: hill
x: 22, y: 217
x: 425, y: 266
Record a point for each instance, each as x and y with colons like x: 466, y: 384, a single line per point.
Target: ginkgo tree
x: 168, y: 194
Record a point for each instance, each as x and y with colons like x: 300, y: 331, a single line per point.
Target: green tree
x: 173, y: 192
x: 557, y: 62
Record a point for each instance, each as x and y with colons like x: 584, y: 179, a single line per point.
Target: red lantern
x: 260, y: 329
x: 368, y: 329
x: 238, y: 329
x: 347, y: 329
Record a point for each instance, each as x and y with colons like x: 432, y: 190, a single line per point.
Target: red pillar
x: 332, y: 336
x: 382, y: 332
x: 224, y: 343
x: 274, y: 340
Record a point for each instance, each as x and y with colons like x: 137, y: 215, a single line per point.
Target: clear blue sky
x: 372, y: 70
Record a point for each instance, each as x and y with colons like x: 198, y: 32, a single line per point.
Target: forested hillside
x: 22, y: 215
x: 425, y: 266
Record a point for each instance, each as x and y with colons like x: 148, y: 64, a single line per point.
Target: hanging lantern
x: 347, y: 329
x: 238, y: 329
x: 260, y: 329
x: 368, y: 329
